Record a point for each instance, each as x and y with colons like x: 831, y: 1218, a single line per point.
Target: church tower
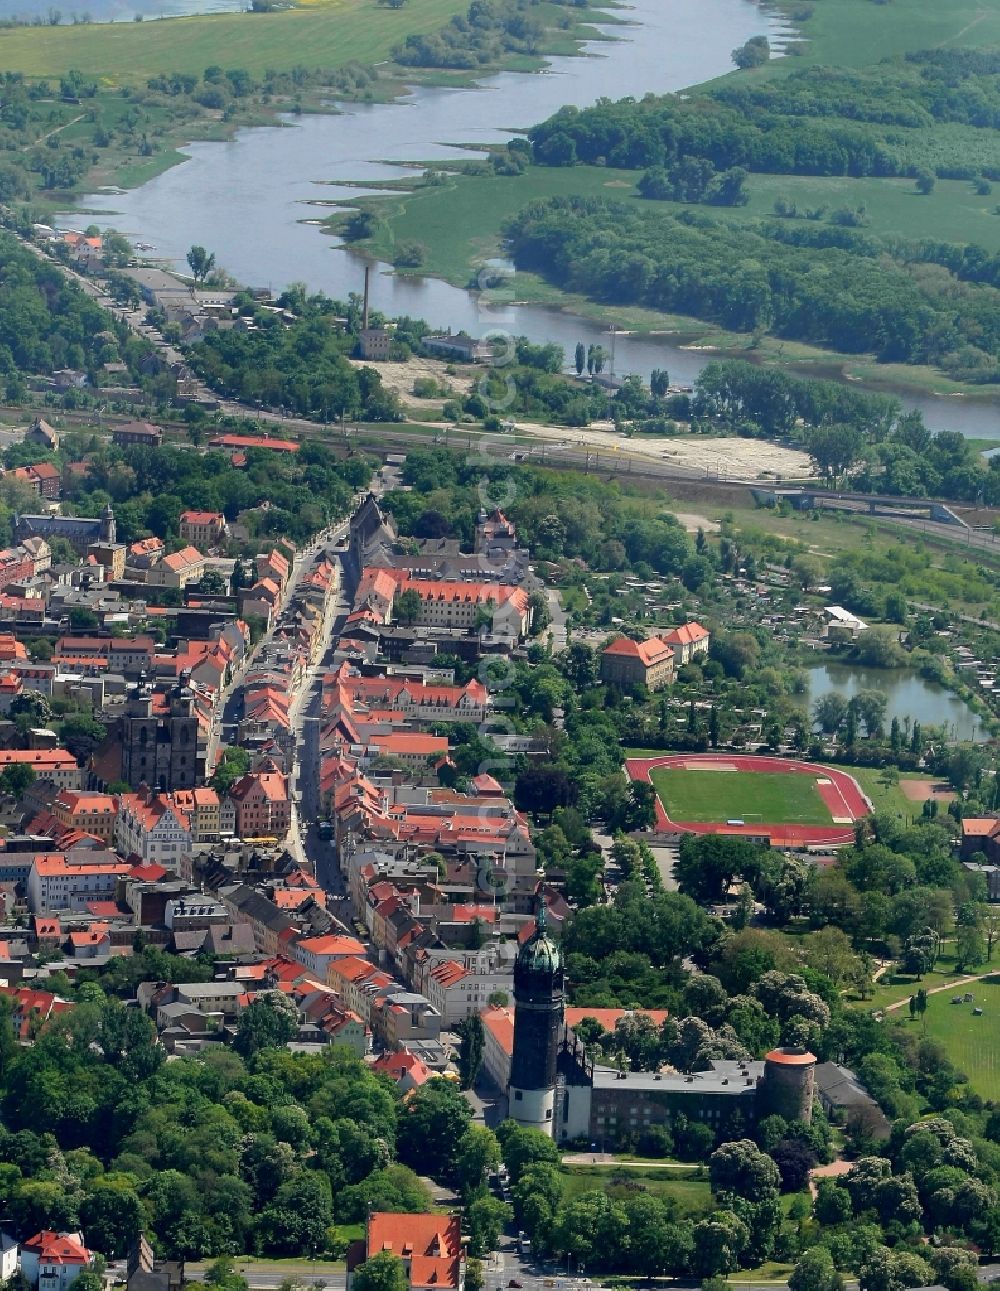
x: 538, y: 1016
x: 109, y: 528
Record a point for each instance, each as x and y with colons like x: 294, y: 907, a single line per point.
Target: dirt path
x: 958, y: 983
x: 41, y: 138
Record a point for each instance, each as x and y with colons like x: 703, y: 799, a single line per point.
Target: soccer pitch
x: 767, y: 797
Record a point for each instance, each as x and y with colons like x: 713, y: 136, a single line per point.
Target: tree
x: 82, y: 735
x: 484, y: 1219
x: 16, y: 779
x: 924, y: 182
x: 755, y: 53
x: 233, y: 764
x: 834, y: 448
x: 384, y: 1271
x: 718, y: 1243
x: 431, y: 1127
x: 523, y: 1148
x: 112, y: 1215
x: 478, y: 1153
x: 296, y: 1221
x: 471, y: 1049
x: 814, y: 1271
x: 200, y: 262
x: 741, y: 1168
x: 829, y: 712
x: 268, y: 1023
x: 407, y: 606
x: 580, y: 358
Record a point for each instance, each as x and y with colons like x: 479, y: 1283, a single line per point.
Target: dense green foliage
x: 818, y: 121
x: 750, y: 279
x: 150, y: 487
x: 47, y: 323
x: 213, y: 1155
x: 300, y: 367
x: 490, y: 31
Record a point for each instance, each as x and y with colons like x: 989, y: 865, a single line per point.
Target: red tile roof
x: 431, y: 1243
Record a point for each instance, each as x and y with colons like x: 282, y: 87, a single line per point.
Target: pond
x: 909, y: 695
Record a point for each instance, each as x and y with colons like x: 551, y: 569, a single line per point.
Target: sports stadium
x: 781, y: 801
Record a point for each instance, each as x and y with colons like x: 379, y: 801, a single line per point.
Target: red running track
x: 843, y: 796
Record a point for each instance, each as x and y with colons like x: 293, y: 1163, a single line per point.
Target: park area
x: 784, y: 801
x: 970, y: 1038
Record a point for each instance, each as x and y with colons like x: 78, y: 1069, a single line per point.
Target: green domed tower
x: 538, y: 1015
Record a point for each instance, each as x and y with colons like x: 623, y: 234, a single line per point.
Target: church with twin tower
x: 555, y: 1086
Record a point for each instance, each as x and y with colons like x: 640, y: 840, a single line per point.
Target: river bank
x: 666, y: 48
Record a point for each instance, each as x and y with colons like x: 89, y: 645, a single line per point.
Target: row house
x: 458, y: 993
x: 153, y: 826
x: 263, y: 805
x: 43, y: 477
x: 319, y: 954
x: 53, y: 765
x: 130, y: 656
x: 89, y: 813
x: 57, y: 884
x: 446, y: 603
x: 178, y: 569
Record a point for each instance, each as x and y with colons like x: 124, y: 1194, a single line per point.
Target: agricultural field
x: 328, y: 34
x: 773, y: 797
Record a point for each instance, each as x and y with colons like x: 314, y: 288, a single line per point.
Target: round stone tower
x: 538, y: 1015
x: 788, y: 1084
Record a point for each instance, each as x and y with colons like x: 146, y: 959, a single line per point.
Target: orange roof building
x: 430, y: 1247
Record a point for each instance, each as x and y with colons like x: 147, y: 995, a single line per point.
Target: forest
x: 878, y: 120
x: 248, y: 1148
x: 295, y: 495
x: 751, y: 279
x: 47, y: 323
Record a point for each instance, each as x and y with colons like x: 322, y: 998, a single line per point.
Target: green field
x: 460, y: 222
x: 853, y: 33
x: 692, y: 1194
x: 768, y: 797
x: 325, y: 35
x: 972, y: 1044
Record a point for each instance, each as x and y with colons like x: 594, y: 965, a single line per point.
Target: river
x: 114, y: 10
x: 247, y: 199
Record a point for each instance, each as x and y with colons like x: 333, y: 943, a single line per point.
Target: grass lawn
x: 329, y: 34
x: 692, y: 1195
x: 772, y: 797
x: 897, y: 987
x: 854, y: 33
x: 887, y: 799
x: 972, y: 1044
x: 460, y: 222
x: 287, y: 1268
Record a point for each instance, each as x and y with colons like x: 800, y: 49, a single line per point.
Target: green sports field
x: 768, y: 797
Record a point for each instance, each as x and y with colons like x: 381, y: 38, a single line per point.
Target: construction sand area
x: 741, y: 459
x: 399, y: 378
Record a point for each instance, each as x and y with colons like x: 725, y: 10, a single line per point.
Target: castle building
x: 555, y: 1087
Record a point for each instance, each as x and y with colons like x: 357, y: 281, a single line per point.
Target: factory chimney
x: 364, y: 321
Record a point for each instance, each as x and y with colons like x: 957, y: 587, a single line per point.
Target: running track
x: 842, y: 795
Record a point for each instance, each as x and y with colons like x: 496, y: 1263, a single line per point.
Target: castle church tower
x: 538, y: 1016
